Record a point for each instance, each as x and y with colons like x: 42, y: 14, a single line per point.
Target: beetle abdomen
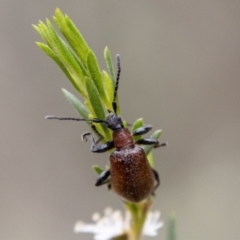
x: 131, y: 175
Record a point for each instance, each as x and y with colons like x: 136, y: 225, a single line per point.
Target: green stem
x: 123, y: 237
x: 138, y: 213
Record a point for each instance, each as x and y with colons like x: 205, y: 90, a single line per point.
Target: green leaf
x: 56, y: 59
x: 90, y: 108
x: 108, y: 60
x: 97, y: 169
x: 42, y: 30
x: 38, y: 29
x: 171, y: 234
x: 81, y: 109
x: 94, y: 99
x: 150, y: 159
x: 65, y: 55
x: 156, y: 135
x: 96, y: 75
x: 137, y: 124
x: 72, y: 35
x: 84, y: 70
x: 96, y: 106
x: 109, y: 90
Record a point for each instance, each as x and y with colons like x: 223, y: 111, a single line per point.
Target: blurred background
x: 180, y: 72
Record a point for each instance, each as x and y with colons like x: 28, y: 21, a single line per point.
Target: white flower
x: 113, y: 224
x: 152, y: 224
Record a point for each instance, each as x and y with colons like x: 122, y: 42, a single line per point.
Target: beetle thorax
x: 122, y: 139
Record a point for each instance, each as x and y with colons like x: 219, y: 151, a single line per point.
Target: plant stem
x: 138, y: 214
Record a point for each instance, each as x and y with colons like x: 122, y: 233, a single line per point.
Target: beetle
x: 130, y: 174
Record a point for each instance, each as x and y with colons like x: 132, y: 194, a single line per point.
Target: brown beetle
x: 130, y: 174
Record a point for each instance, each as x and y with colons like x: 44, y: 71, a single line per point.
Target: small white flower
x: 113, y: 224
x: 152, y: 224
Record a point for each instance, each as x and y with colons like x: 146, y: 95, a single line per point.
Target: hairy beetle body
x: 131, y: 175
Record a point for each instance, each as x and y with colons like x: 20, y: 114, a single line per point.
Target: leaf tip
x: 97, y: 169
x: 106, y: 49
x: 57, y: 11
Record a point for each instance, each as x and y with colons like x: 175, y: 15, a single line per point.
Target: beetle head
x: 113, y: 122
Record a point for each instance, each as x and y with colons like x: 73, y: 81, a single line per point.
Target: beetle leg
x: 151, y: 141
x: 97, y: 148
x: 103, y: 178
x: 142, y: 130
x: 156, y: 176
x: 98, y: 133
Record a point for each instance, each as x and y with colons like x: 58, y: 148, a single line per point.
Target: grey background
x: 180, y: 62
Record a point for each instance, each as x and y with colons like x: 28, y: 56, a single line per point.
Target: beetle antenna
x: 114, y: 104
x: 96, y: 120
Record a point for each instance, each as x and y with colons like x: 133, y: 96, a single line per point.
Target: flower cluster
x: 113, y: 224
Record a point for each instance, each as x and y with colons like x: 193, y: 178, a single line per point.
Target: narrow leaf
x: 108, y: 90
x: 156, y: 135
x: 72, y: 35
x: 38, y: 29
x: 108, y: 60
x: 94, y: 99
x: 97, y: 169
x: 95, y: 103
x: 96, y: 74
x: 66, y: 56
x: 57, y: 60
x: 150, y: 159
x: 81, y: 109
x: 138, y: 123
x: 89, y: 106
x: 42, y: 29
